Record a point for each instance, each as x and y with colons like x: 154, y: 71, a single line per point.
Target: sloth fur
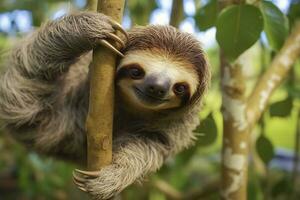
x: 44, y: 95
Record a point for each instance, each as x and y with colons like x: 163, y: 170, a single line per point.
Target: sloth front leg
x: 56, y: 46
x: 40, y: 106
x: 131, y: 162
x: 36, y: 63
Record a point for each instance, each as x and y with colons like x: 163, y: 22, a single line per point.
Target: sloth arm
x: 136, y: 155
x: 44, y: 102
x: 133, y: 158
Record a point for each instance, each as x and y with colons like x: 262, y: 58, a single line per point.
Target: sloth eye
x: 136, y: 72
x: 180, y: 89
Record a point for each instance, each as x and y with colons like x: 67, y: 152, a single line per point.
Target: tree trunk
x: 235, y: 133
x: 241, y: 114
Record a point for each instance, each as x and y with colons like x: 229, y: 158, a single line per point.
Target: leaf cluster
x: 240, y: 26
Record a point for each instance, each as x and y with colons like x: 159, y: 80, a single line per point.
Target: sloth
x: 160, y: 79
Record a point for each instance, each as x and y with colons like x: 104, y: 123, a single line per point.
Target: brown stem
x: 195, y: 194
x: 167, y: 189
x: 209, y: 189
x: 99, y: 121
x: 176, y: 13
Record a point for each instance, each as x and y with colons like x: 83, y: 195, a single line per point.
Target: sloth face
x: 155, y: 81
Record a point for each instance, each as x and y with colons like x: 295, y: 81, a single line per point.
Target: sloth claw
x: 118, y: 27
x: 114, y: 37
x: 82, y: 189
x: 111, y: 47
x: 117, y: 39
x: 89, y: 174
x: 78, y: 184
x: 80, y: 178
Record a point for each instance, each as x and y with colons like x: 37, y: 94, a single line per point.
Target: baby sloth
x: 44, y: 95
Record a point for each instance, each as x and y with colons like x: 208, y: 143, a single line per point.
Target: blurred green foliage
x: 26, y: 175
x: 38, y: 8
x: 206, y: 16
x: 140, y: 11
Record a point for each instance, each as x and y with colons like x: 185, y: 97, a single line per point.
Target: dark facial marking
x: 133, y: 71
x: 182, y: 90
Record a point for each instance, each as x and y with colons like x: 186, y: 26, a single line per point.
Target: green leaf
x: 265, y: 149
x: 276, y: 24
x: 282, y: 108
x: 207, y: 131
x: 238, y: 28
x: 294, y: 11
x: 206, y: 16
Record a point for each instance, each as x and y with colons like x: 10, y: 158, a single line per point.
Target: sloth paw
x: 113, y: 37
x: 80, y: 178
x: 102, y: 184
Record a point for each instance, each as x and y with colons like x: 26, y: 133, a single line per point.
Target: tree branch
x: 99, y: 122
x: 167, y: 189
x: 194, y: 194
x: 91, y: 5
x: 176, y: 13
x: 272, y: 78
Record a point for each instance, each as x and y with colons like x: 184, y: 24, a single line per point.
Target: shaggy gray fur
x: 44, y: 101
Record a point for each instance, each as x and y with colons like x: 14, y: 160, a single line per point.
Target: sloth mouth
x: 148, y: 98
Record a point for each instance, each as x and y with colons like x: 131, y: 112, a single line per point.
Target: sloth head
x: 163, y: 69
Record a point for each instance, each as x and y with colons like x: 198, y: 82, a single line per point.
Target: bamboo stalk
x: 99, y: 123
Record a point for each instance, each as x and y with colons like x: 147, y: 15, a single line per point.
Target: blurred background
x: 195, y: 173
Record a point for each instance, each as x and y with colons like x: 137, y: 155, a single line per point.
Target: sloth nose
x: 156, y: 85
x: 156, y: 90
